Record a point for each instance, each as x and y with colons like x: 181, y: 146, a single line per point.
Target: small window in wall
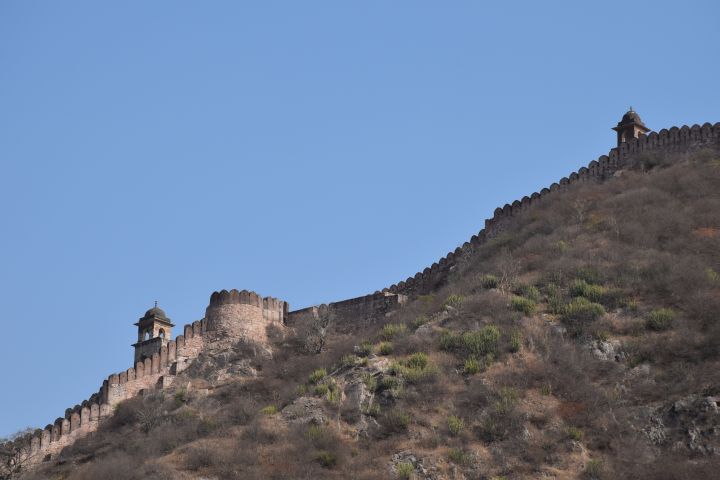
x: 162, y: 333
x: 146, y: 336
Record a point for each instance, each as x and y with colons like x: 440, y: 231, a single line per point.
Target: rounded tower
x: 243, y: 315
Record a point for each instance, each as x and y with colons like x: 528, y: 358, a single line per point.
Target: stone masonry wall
x: 230, y: 314
x: 241, y: 314
x: 683, y: 139
x: 348, y: 315
x: 84, y: 418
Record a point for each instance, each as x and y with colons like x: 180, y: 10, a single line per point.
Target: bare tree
x: 509, y: 269
x: 14, y: 453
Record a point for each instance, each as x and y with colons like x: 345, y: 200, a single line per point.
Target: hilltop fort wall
x: 682, y: 139
x: 230, y: 314
x: 238, y: 315
x: 242, y: 314
x: 349, y: 315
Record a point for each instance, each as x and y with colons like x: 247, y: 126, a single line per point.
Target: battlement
x: 674, y: 139
x: 154, y: 372
x: 352, y: 314
x: 234, y: 315
x: 244, y: 315
x: 230, y: 314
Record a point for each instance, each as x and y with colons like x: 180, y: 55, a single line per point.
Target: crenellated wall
x: 243, y: 315
x: 675, y: 139
x: 349, y: 315
x: 78, y: 421
x: 234, y: 313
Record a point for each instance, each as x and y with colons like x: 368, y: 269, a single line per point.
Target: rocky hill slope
x: 581, y: 341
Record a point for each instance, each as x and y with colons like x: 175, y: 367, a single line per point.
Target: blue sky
x: 312, y: 151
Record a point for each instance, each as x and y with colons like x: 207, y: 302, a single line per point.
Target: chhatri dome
x: 631, y: 126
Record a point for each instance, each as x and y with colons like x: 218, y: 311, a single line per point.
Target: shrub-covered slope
x: 582, y: 342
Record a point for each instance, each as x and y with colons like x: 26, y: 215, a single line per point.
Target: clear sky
x: 313, y: 151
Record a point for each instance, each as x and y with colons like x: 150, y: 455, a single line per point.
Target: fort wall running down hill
x: 673, y: 140
x: 231, y: 314
x: 234, y: 315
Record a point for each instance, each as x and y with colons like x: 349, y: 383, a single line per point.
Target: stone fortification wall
x: 348, y: 315
x: 245, y: 315
x: 231, y: 314
x: 666, y: 140
x: 78, y: 421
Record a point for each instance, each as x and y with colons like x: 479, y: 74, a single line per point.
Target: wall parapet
x: 674, y: 139
x: 352, y: 313
x: 79, y: 420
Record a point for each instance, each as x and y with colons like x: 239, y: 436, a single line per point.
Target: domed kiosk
x: 154, y: 331
x: 630, y: 127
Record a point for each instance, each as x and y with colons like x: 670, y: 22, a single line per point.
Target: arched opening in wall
x: 146, y: 336
x: 161, y: 333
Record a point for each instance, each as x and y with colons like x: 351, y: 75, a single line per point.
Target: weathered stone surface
x: 304, y: 410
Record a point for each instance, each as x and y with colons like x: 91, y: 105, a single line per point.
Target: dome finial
x: 155, y: 303
x: 631, y: 109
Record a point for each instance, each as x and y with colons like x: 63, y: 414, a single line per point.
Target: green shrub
x: 611, y: 297
x: 590, y: 275
x: 180, y: 397
x: 632, y: 305
x: 301, y: 390
x: 385, y: 348
x: 391, y: 330
x: 489, y: 281
x: 581, y: 288
x: 388, y: 383
x: 472, y: 366
x: 417, y: 360
x: 396, y: 420
x: 372, y: 410
x: 333, y: 394
x: 317, y: 375
x: 321, y: 389
x: 420, y: 375
x: 460, y: 456
x: 660, y: 319
x: 515, y: 341
x: 416, y: 369
x: 326, y: 459
x: 594, y: 469
x: 522, y: 304
x: 365, y: 349
x: 554, y: 299
x: 582, y: 310
x: 269, y: 410
x: 419, y: 321
x: 404, y: 471
x: 454, y: 301
x: 529, y: 291
x: 483, y: 341
x: 574, y: 433
x: 449, y: 341
x: 370, y: 382
x: 477, y: 343
x: 506, y: 400
x: 455, y: 424
x: 348, y: 360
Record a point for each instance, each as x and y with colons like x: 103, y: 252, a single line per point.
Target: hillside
x: 580, y: 339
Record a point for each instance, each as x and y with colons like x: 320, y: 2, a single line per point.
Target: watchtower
x: 154, y: 331
x: 630, y: 127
